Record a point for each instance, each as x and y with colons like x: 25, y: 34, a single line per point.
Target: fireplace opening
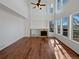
x: 43, y: 33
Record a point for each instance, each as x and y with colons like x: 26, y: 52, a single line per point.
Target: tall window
x: 59, y: 2
x: 51, y: 26
x: 58, y: 6
x: 58, y: 26
x: 65, y: 23
x: 76, y: 27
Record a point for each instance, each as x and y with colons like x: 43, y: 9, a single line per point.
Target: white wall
x: 19, y: 6
x: 38, y: 18
x: 39, y: 24
x: 69, y: 8
x: 12, y: 26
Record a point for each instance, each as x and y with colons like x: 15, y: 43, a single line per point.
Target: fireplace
x: 38, y: 32
x: 43, y: 33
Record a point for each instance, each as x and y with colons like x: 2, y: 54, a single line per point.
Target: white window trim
x: 71, y: 21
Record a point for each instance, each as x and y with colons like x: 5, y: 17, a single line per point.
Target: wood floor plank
x: 38, y: 48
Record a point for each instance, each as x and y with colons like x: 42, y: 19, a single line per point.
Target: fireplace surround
x: 38, y: 32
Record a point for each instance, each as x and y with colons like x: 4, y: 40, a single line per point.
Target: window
x: 58, y: 6
x: 58, y: 26
x: 51, y: 8
x: 76, y: 27
x: 51, y: 26
x: 64, y: 2
x: 65, y: 26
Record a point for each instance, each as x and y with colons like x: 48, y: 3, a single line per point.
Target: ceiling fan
x: 38, y: 4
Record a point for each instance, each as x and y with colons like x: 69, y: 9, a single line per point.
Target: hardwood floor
x: 38, y: 48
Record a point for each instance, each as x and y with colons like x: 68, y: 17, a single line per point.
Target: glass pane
x: 51, y: 26
x: 65, y: 1
x: 51, y: 10
x: 58, y: 4
x: 76, y: 27
x: 58, y: 25
x: 65, y: 26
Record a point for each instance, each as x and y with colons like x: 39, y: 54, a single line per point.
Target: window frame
x: 59, y: 32
x: 50, y: 24
x: 72, y: 38
x: 67, y: 26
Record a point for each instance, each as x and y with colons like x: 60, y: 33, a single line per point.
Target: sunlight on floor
x: 59, y: 51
